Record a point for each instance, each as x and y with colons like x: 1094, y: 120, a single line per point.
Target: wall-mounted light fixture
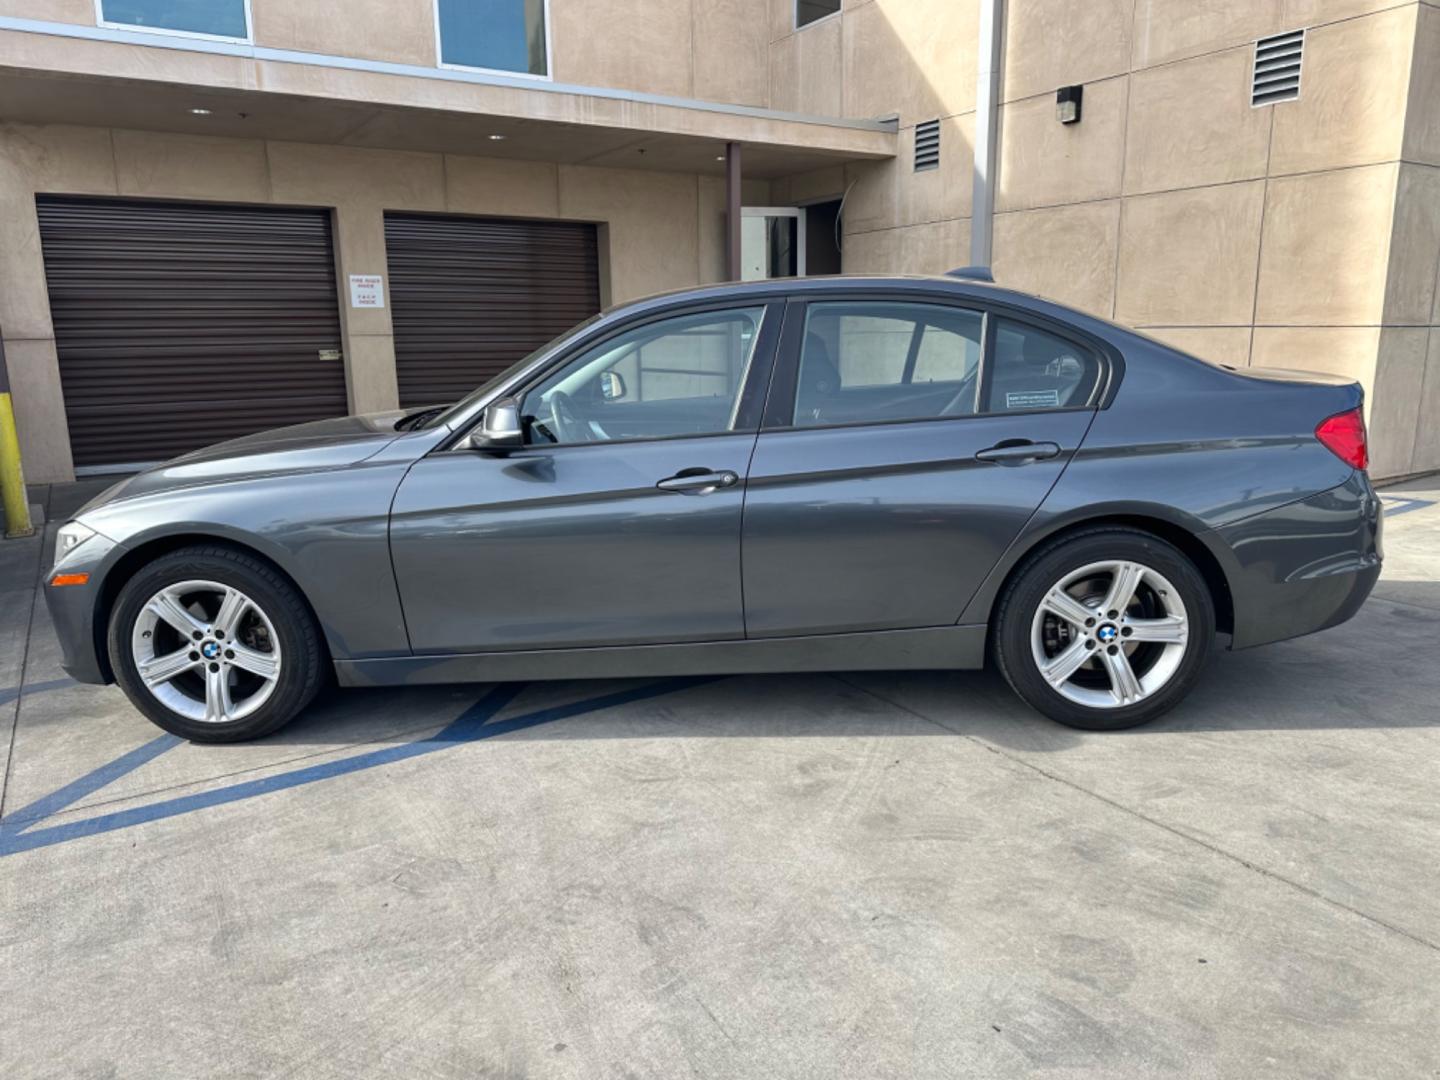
x: 1067, y: 104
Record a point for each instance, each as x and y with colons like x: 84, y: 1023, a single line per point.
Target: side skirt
x: 887, y: 650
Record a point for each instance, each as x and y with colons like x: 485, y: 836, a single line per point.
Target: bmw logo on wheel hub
x: 1107, y: 634
x: 210, y: 650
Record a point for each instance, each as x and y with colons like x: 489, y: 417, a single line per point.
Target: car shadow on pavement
x: 1375, y: 671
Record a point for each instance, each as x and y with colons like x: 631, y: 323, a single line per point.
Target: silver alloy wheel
x: 1110, y: 634
x: 206, y: 651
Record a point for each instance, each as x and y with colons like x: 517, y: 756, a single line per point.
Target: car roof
x: 948, y: 286
x: 790, y: 286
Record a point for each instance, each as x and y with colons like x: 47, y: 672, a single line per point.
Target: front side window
x: 874, y: 362
x: 808, y: 11
x: 496, y: 35
x: 1037, y: 370
x: 211, y: 18
x: 678, y: 376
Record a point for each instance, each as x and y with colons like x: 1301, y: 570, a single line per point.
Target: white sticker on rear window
x: 1033, y: 399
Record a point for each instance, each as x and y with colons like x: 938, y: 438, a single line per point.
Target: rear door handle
x: 698, y: 481
x: 1018, y: 452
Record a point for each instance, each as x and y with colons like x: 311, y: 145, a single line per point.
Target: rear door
x: 905, y: 445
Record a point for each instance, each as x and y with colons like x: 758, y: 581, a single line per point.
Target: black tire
x: 301, y: 672
x: 1049, y: 565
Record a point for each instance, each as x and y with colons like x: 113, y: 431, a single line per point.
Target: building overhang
x: 59, y: 73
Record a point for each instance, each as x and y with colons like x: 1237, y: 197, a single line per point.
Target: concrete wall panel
x: 731, y: 57
x: 1191, y: 124
x: 1167, y: 30
x: 159, y: 165
x: 1187, y: 258
x: 653, y: 225
x: 1410, y: 286
x: 68, y: 11
x: 1394, y: 412
x: 806, y: 72
x: 1422, y: 119
x: 1426, y: 453
x: 629, y: 44
x: 401, y: 33
x: 1066, y: 253
x: 1054, y: 43
x: 500, y: 187
x: 911, y: 57
x: 1354, y: 83
x: 1046, y: 163
x: 307, y: 174
x: 1326, y: 248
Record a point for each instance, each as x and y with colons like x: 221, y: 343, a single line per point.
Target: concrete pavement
x: 804, y: 876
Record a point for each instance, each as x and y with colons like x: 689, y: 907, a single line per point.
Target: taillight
x: 1344, y: 436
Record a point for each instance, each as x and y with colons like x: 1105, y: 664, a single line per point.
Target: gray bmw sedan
x: 798, y: 475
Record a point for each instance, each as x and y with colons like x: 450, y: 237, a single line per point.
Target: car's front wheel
x: 1105, y: 629
x: 214, y: 645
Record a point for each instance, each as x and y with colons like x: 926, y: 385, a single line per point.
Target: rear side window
x: 1034, y: 369
x: 873, y: 362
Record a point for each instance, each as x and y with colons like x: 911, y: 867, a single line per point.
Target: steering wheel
x: 965, y: 395
x: 565, y: 420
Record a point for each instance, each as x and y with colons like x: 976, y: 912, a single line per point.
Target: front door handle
x: 699, y: 481
x: 1018, y: 452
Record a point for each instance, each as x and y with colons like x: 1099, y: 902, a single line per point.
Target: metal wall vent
x: 1277, y: 68
x: 927, y: 145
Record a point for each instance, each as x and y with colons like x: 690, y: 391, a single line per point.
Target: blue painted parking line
x: 10, y: 693
x: 472, y: 725
x: 1400, y: 505
x: 76, y: 790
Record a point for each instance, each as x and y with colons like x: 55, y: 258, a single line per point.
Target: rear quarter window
x: 1035, y: 369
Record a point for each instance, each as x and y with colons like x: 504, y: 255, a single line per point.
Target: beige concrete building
x: 312, y: 204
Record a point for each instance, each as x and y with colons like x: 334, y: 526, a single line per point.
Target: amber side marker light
x: 70, y: 579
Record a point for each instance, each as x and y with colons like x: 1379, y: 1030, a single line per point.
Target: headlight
x: 71, y: 535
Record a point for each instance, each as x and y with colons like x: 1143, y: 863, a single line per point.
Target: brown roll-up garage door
x: 180, y: 325
x: 470, y: 296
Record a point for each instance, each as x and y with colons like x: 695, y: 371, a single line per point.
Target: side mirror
x: 612, y: 385
x: 499, y: 428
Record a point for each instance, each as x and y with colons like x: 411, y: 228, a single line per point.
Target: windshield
x: 460, y: 407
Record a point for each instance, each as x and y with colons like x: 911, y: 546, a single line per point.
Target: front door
x: 895, y: 467
x: 618, y: 523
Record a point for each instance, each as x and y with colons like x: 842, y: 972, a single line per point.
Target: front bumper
x: 74, y: 609
x: 1302, y: 567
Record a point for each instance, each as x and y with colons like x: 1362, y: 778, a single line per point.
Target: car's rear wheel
x: 214, y: 645
x: 1105, y: 629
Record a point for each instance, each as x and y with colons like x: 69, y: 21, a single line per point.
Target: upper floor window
x: 225, y: 19
x: 494, y: 35
x: 808, y: 11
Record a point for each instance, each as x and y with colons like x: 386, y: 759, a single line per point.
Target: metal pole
x: 987, y: 115
x: 732, y: 211
x: 12, y: 480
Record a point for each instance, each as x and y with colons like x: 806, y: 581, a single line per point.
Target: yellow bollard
x: 12, y: 480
